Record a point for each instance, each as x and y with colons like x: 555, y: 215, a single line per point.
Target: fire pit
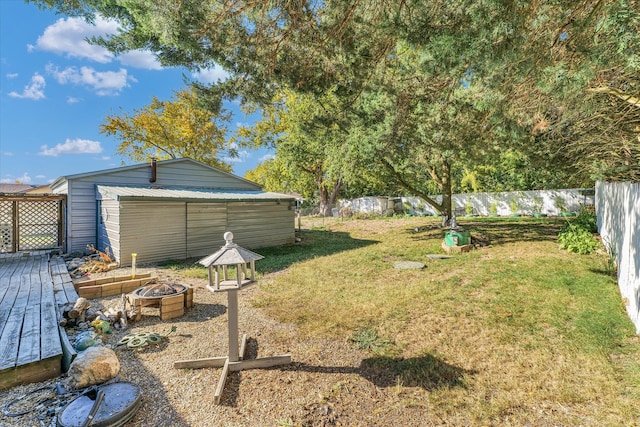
x: 170, y: 298
x: 160, y: 290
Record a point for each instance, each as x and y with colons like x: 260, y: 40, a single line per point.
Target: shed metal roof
x: 150, y: 193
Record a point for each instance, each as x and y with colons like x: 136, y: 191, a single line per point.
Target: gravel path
x: 327, y: 383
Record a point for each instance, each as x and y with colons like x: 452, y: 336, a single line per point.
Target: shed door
x: 153, y: 230
x: 206, y: 225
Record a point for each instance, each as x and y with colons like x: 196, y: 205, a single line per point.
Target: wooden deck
x: 32, y: 287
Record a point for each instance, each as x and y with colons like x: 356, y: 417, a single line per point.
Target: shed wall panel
x: 206, y: 225
x: 154, y: 230
x: 261, y: 224
x: 81, y: 216
x: 109, y: 227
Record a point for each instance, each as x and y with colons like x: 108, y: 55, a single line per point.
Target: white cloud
x: 7, y: 153
x: 72, y: 146
x: 72, y: 100
x: 24, y: 179
x: 242, y: 157
x: 12, y: 75
x: 210, y: 75
x: 68, y: 37
x: 140, y: 59
x: 34, y: 90
x: 102, y: 82
x: 267, y: 157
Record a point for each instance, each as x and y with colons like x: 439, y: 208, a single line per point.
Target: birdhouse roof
x: 230, y: 254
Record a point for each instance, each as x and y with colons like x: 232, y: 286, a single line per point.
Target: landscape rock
x: 95, y: 365
x: 409, y: 265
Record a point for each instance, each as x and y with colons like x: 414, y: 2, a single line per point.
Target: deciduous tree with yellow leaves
x: 172, y: 129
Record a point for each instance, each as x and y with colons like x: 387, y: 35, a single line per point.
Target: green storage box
x: 457, y: 238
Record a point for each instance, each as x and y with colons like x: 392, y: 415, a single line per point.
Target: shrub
x: 587, y: 220
x: 578, y: 240
x: 577, y: 234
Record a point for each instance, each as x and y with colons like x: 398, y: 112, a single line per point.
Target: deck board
x: 10, y: 339
x: 30, y: 342
x: 7, y: 269
x: 62, y: 284
x: 29, y: 349
x: 19, y: 289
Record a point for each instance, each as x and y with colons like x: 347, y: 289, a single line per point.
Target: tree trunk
x: 445, y: 187
x: 325, y: 207
x: 442, y: 179
x: 328, y: 200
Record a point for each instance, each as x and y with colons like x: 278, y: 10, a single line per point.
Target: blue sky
x: 56, y: 90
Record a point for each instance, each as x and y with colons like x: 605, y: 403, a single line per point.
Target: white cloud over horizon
x: 72, y: 146
x: 24, y: 179
x: 34, y: 90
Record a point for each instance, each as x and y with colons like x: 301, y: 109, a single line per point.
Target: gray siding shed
x: 183, y: 214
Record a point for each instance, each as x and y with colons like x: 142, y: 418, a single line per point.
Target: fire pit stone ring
x: 155, y: 291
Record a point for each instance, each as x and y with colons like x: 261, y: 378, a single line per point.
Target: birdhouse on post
x: 230, y: 256
x: 225, y: 259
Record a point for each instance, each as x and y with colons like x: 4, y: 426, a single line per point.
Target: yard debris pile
x: 93, y: 261
x: 83, y: 316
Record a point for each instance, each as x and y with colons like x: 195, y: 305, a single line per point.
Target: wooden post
x: 244, y: 272
x: 253, y: 270
x: 232, y: 315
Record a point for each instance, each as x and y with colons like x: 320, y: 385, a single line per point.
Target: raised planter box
x: 109, y: 286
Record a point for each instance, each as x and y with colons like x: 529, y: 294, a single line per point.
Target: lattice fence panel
x: 38, y: 224
x: 6, y: 226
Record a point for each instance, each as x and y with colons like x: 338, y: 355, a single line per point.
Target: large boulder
x: 95, y: 365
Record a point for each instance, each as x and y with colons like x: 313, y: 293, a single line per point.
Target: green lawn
x: 515, y: 332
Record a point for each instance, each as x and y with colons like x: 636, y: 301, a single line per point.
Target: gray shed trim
x: 123, y: 193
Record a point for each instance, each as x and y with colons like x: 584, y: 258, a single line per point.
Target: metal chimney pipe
x: 154, y: 170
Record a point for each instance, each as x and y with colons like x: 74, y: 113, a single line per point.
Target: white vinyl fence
x: 618, y: 210
x: 548, y: 202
